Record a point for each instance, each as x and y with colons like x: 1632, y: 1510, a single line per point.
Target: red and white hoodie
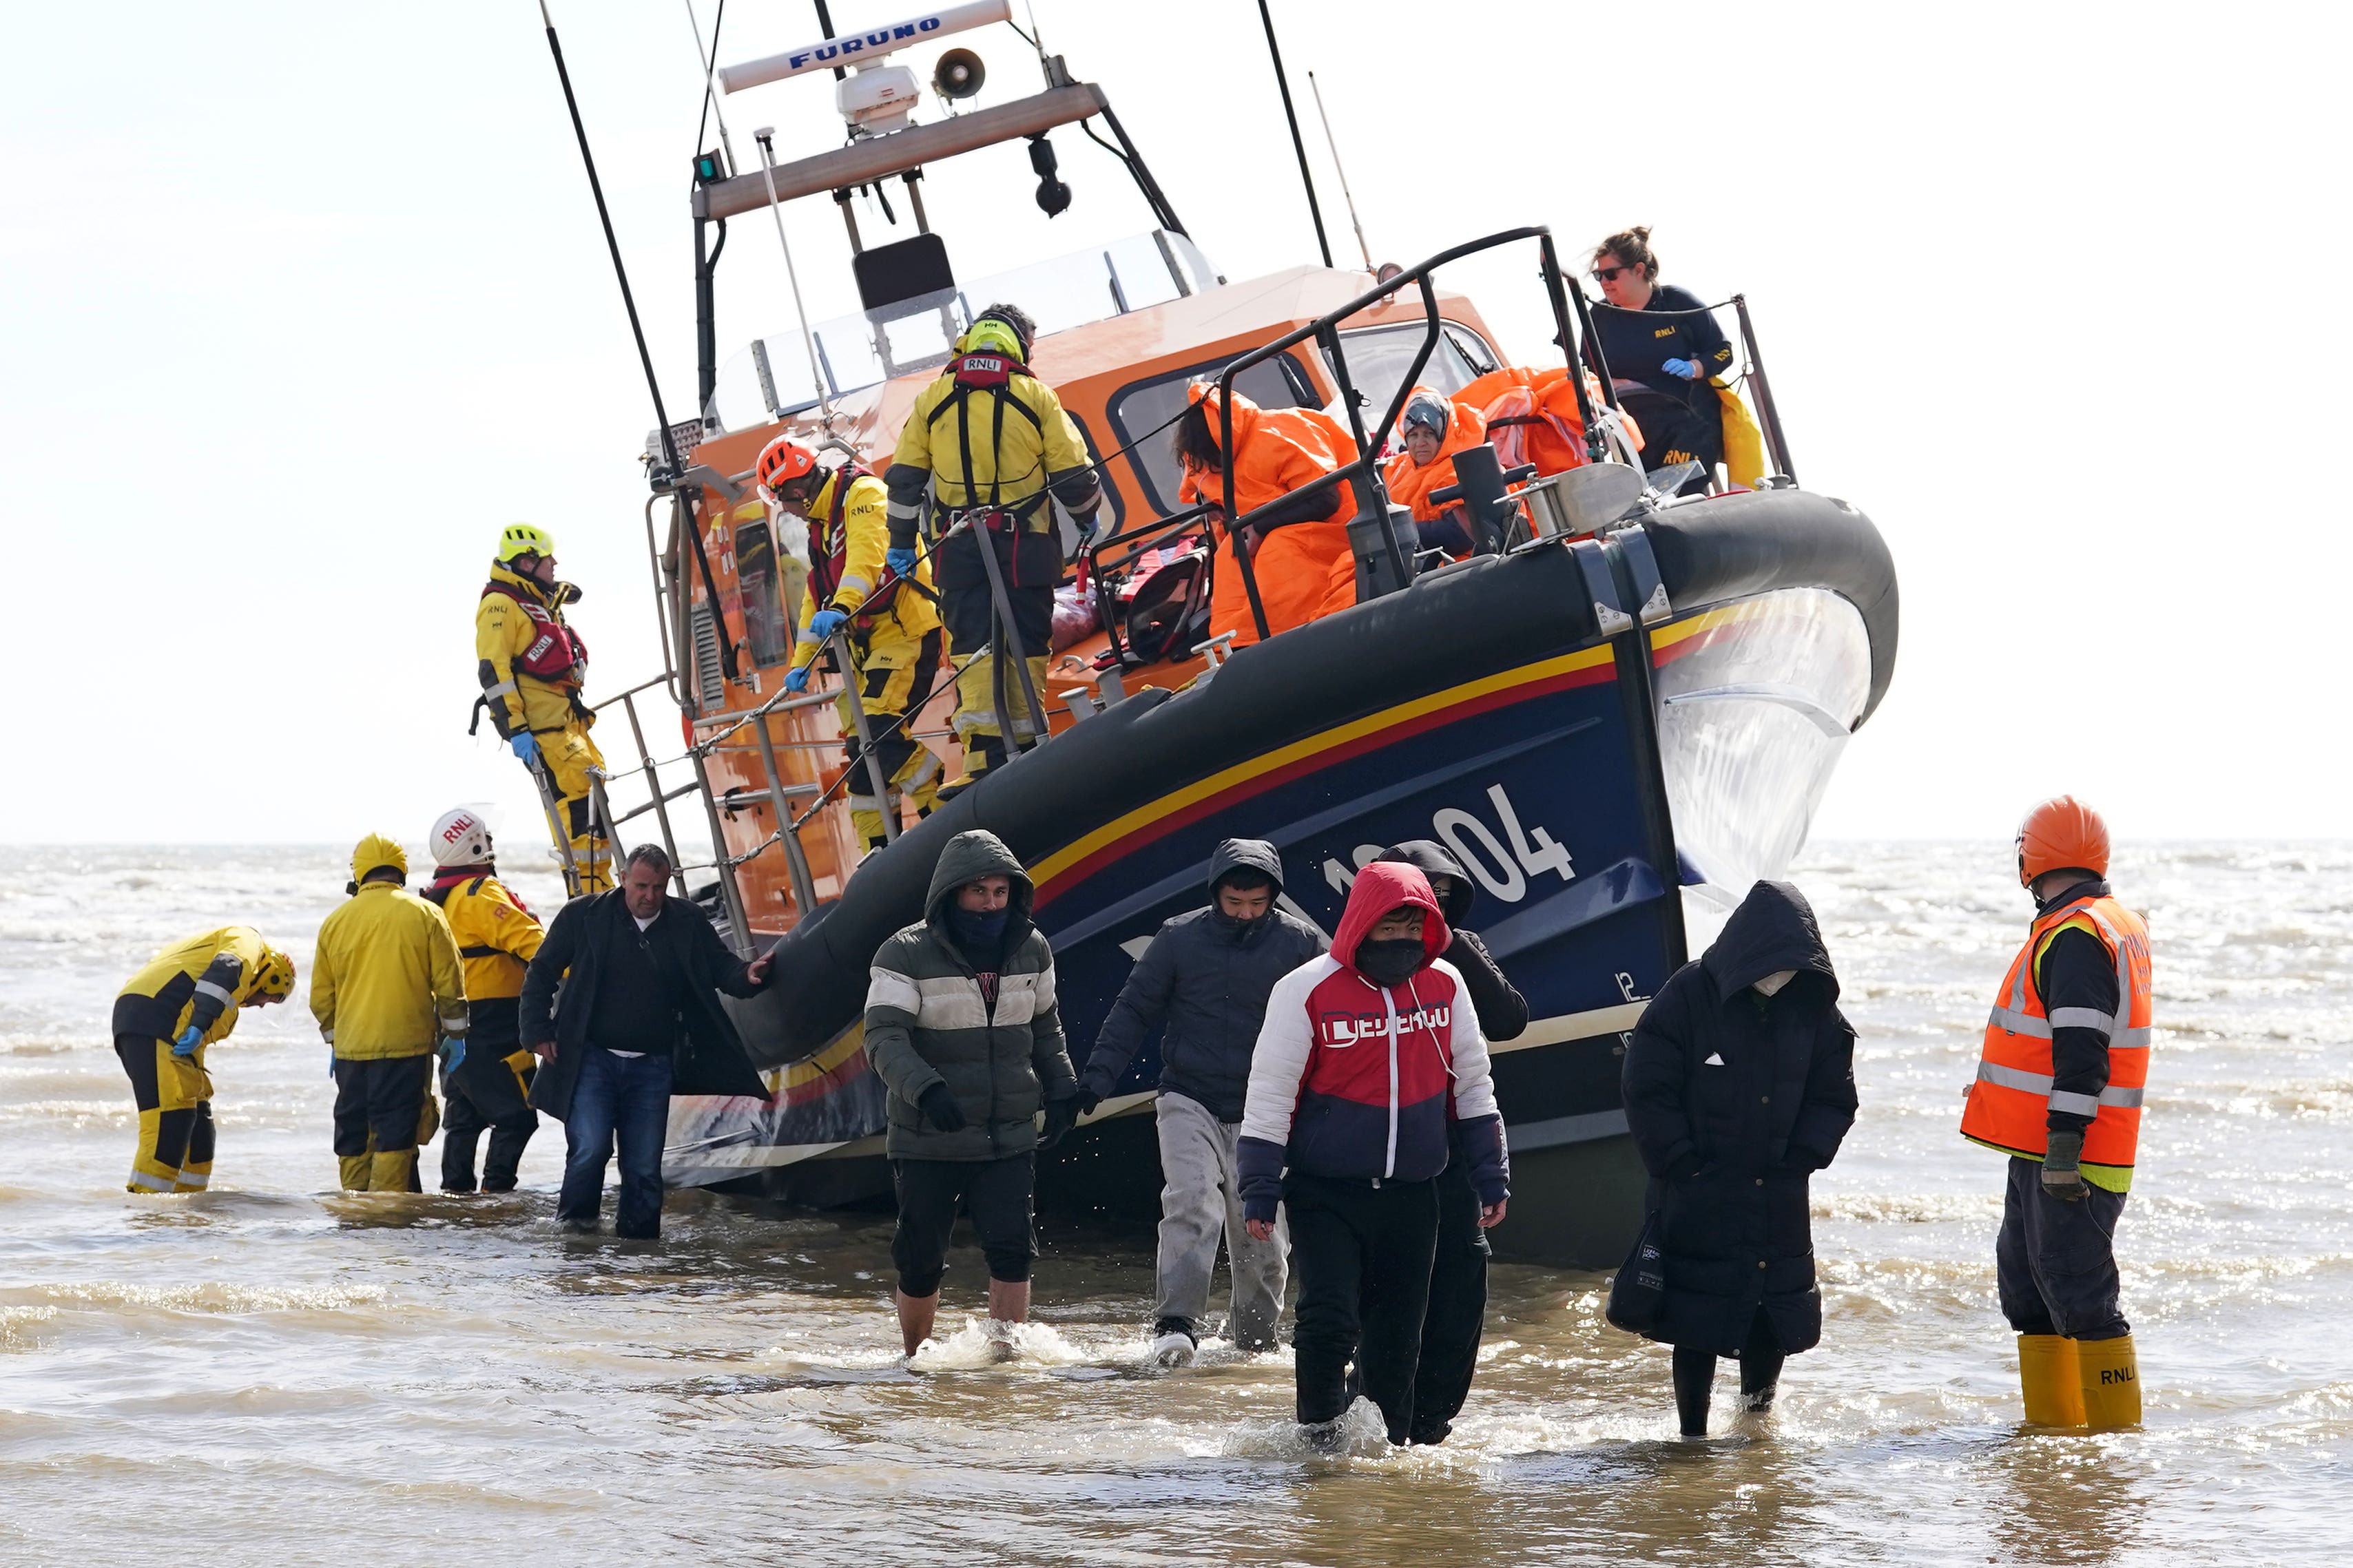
x: 1358, y: 1080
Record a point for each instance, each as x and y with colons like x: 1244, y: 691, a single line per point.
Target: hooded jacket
x: 929, y: 1021
x: 1503, y: 1011
x: 1276, y: 452
x: 1361, y: 1082
x: 1204, y: 985
x: 1734, y: 1099
x: 1410, y: 483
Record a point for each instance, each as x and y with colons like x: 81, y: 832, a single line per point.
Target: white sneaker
x: 1173, y: 1349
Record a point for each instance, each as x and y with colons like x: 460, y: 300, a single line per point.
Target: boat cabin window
x: 1379, y: 358
x: 765, y: 622
x: 1141, y: 408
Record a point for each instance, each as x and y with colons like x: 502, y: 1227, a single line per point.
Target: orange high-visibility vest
x: 2012, y: 1096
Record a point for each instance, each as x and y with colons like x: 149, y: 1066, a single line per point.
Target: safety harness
x: 826, y: 569
x: 992, y: 373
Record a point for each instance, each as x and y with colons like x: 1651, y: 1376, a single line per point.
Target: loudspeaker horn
x: 959, y: 74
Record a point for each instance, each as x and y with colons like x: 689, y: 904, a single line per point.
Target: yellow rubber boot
x: 2110, y: 1375
x: 2047, y: 1375
x: 194, y: 1177
x: 353, y: 1169
x: 392, y: 1171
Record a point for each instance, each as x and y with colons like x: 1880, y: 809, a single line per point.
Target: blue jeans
x: 624, y: 1096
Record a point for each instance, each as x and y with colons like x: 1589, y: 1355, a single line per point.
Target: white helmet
x: 461, y: 839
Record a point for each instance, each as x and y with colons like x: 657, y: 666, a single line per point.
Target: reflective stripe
x: 2040, y: 1083
x: 2019, y: 1023
x: 2015, y: 1077
x: 2131, y: 1039
x: 2082, y: 1019
x: 864, y: 802
x: 2122, y: 1098
x: 206, y: 988
x: 192, y: 1184
x: 901, y: 511
x: 2074, y: 1104
x: 853, y: 582
x: 142, y: 1183
x: 454, y: 1024
x: 503, y: 689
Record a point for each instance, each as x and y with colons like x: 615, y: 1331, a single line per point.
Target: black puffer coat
x: 1503, y: 1011
x: 1733, y: 1100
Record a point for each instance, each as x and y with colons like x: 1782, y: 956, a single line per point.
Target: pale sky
x: 303, y: 303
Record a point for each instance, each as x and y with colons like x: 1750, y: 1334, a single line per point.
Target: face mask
x: 1390, y: 963
x: 980, y: 935
x: 1233, y: 928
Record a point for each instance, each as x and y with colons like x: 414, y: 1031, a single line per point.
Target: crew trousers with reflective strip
x: 173, y: 1095
x: 2055, y: 1261
x: 384, y: 1109
x: 1030, y: 562
x: 894, y: 680
x: 568, y: 753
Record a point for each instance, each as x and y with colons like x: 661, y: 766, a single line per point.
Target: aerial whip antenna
x: 637, y: 329
x: 766, y: 136
x: 1346, y: 194
x: 709, y: 61
x: 1297, y: 145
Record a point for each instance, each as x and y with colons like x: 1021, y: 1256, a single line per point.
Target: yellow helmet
x: 373, y: 853
x: 524, y: 538
x: 275, y: 980
x: 989, y: 335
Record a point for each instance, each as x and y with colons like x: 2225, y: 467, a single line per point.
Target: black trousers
x: 1451, y: 1323
x: 487, y: 1094
x: 994, y: 1193
x: 1362, y: 1255
x: 1761, y: 1358
x: 1031, y: 563
x: 2055, y: 1262
x: 383, y: 1096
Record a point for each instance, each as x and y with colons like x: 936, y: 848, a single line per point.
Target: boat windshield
x: 1379, y: 358
x: 771, y: 373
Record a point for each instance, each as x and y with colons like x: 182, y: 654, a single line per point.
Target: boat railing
x: 1363, y: 474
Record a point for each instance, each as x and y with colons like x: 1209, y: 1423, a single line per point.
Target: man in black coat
x: 1457, y: 1314
x: 1739, y: 1085
x: 1203, y: 983
x: 638, y: 1021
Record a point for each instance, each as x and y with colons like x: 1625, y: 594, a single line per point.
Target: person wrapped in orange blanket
x: 1434, y: 429
x: 1531, y: 417
x: 1276, y: 452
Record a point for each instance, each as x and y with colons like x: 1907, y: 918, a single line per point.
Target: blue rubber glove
x: 798, y: 681
x: 902, y: 561
x: 1087, y: 526
x: 525, y: 747
x: 824, y: 624
x: 1687, y: 369
x: 453, y: 1052
x: 330, y: 1063
x: 190, y: 1037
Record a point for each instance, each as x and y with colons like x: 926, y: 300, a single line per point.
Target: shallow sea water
x: 274, y: 1373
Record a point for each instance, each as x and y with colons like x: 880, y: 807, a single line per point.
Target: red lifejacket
x: 557, y: 654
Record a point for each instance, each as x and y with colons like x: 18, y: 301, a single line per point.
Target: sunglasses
x: 1609, y: 274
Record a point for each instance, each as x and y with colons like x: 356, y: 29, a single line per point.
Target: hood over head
x: 1431, y: 859
x: 1380, y: 887
x: 968, y: 857
x: 1234, y: 854
x: 1773, y: 929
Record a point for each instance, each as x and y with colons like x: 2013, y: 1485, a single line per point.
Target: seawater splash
x: 287, y: 1376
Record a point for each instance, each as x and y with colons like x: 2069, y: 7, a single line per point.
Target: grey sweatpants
x: 1200, y: 1202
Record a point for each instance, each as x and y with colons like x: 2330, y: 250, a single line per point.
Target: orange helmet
x: 782, y: 461
x: 2059, y: 835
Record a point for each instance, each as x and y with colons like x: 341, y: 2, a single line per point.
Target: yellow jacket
x: 857, y: 542
x: 1036, y: 449
x: 496, y: 935
x: 387, y: 975
x: 503, y: 631
x: 203, y: 980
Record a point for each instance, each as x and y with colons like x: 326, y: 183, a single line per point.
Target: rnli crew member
x: 185, y: 999
x: 1663, y: 365
x: 2059, y: 1090
x: 963, y: 1030
x: 1296, y: 548
x: 895, y: 626
x: 488, y: 1082
x: 990, y: 440
x: 1367, y: 1059
x: 385, y: 980
x: 1739, y: 1084
x: 1456, y: 1316
x: 533, y: 666
x: 638, y: 1021
x: 1202, y: 985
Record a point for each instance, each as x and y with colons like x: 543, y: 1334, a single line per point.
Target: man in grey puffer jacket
x: 963, y: 1030
x: 1204, y: 983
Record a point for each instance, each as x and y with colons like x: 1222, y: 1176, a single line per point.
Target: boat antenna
x: 1346, y: 194
x: 709, y: 60
x: 1297, y: 145
x: 766, y: 137
x: 637, y: 329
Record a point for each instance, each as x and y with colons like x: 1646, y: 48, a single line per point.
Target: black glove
x: 1061, y: 1115
x: 1088, y: 1100
x: 2060, y: 1177
x: 939, y: 1107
